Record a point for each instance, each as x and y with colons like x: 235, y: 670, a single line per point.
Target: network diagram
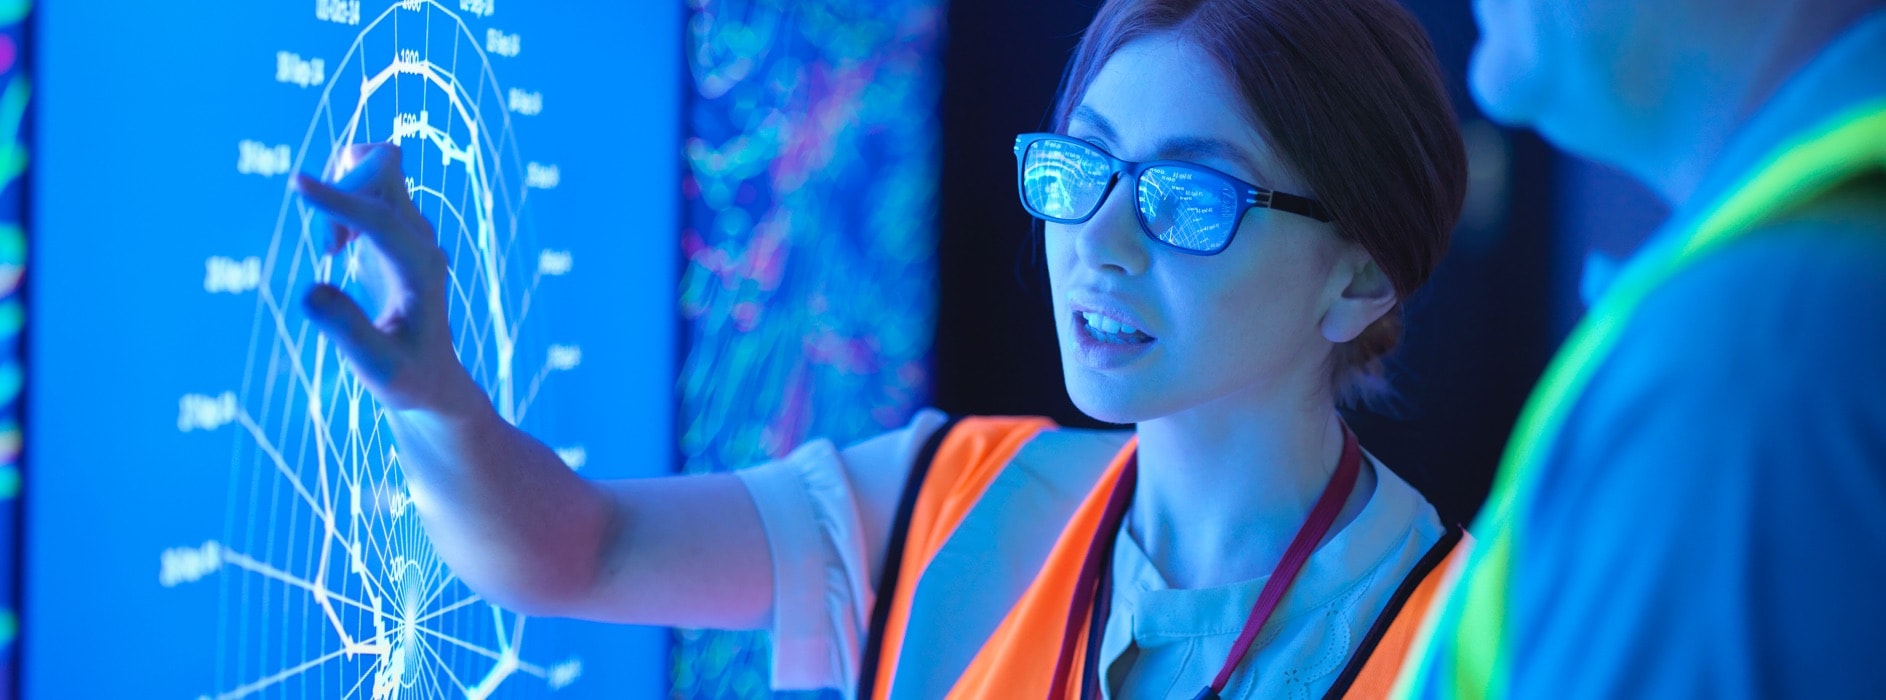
x: 327, y: 583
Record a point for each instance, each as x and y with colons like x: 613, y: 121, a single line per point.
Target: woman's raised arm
x: 503, y: 511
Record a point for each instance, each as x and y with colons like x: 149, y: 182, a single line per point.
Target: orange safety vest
x: 959, y: 466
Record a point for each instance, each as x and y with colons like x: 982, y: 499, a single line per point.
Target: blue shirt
x: 1712, y: 521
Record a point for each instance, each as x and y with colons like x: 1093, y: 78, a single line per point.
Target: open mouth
x: 1110, y: 331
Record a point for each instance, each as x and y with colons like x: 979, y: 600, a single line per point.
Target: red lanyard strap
x: 1096, y: 574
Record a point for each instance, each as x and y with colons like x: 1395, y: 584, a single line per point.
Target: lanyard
x: 1093, y: 592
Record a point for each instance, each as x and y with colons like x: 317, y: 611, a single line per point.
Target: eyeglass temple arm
x: 1284, y: 201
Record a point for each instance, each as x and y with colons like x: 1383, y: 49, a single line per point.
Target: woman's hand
x: 501, y: 509
x: 404, y: 353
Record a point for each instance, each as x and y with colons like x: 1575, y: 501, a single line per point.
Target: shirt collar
x: 1386, y: 521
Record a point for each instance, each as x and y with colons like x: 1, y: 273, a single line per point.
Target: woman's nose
x: 1112, y: 240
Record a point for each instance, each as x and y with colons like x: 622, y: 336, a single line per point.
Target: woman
x: 1238, y: 195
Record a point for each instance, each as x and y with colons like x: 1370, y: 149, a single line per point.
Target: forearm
x: 502, y: 510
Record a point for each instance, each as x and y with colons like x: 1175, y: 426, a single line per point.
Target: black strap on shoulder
x: 893, y: 560
x: 1435, y: 555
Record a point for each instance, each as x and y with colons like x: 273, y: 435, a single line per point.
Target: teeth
x: 1106, y: 325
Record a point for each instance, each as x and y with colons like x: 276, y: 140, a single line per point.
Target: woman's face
x: 1245, y: 324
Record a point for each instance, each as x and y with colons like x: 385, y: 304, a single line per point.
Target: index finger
x: 366, y: 167
x: 370, y: 215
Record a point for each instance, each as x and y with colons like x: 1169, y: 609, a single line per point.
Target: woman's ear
x: 1367, y: 295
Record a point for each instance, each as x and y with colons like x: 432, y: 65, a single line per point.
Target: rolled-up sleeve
x: 815, y: 504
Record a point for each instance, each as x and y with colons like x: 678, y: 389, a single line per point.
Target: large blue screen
x: 214, y: 505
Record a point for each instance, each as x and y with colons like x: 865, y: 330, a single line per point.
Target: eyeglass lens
x: 1184, y: 207
x: 1063, y: 179
x: 1187, y: 208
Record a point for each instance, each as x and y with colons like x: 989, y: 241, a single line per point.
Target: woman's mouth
x: 1108, y: 330
x: 1106, y: 343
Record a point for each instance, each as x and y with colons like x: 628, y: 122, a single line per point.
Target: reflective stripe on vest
x: 990, y: 624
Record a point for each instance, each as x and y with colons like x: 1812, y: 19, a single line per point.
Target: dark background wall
x: 1478, y: 335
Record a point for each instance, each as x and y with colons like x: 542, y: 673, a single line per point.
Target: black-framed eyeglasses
x: 1187, y: 206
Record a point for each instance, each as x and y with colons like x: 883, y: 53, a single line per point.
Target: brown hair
x: 1348, y: 92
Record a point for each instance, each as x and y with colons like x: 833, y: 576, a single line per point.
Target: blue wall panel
x: 214, y: 506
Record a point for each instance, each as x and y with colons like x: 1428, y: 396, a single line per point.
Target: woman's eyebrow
x: 1192, y: 147
x: 1093, y: 118
x: 1181, y: 147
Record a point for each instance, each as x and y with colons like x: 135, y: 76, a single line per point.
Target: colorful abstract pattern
x: 12, y: 318
x: 808, y: 236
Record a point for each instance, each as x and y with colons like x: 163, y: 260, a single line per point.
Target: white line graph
x: 329, y: 587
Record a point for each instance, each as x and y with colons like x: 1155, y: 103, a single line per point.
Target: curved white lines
x: 324, y: 568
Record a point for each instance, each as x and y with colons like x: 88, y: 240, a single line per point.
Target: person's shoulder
x: 1060, y: 451
x: 1035, y: 431
x: 1735, y: 421
x: 1834, y: 243
x: 973, y: 452
x: 1767, y: 339
x: 1801, y: 296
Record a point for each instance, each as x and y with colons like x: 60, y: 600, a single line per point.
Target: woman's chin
x: 1121, y: 396
x: 1108, y: 405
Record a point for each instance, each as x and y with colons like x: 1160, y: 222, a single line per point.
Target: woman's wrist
x: 457, y: 405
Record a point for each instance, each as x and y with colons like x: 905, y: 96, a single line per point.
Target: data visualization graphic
x: 216, y: 508
x: 387, y: 603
